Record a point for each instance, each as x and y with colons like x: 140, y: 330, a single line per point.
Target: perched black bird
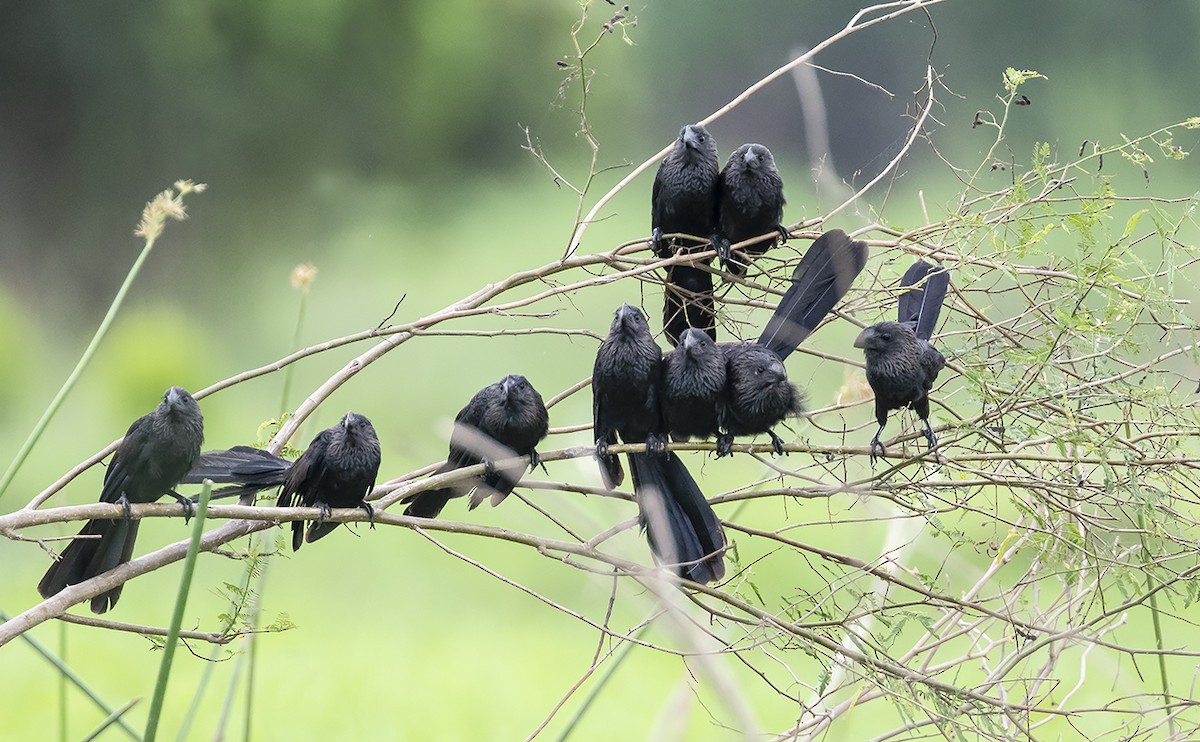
x: 758, y: 394
x: 688, y: 302
x: 502, y: 421
x: 684, y: 201
x: 901, y: 363
x: 337, y: 470
x: 693, y: 387
x: 749, y: 204
x: 626, y: 387
x: 157, y: 451
x: 684, y: 198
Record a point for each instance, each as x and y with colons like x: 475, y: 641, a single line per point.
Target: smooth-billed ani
x: 626, y: 386
x: 901, y: 363
x: 337, y: 470
x: 502, y: 421
x: 684, y: 197
x: 684, y: 201
x: 749, y: 204
x: 758, y: 394
x: 693, y: 387
x: 157, y: 451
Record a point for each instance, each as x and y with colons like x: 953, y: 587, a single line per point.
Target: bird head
x: 695, y: 142
x: 177, y: 399
x: 752, y: 157
x: 629, y: 319
x: 354, y: 424
x: 515, y: 387
x: 884, y: 336
x: 695, y: 341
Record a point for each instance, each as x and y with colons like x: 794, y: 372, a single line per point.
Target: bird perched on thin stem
x: 681, y: 526
x: 337, y: 470
x: 901, y: 362
x: 684, y: 201
x: 758, y: 394
x: 157, y: 451
x: 749, y: 204
x: 693, y: 387
x: 502, y: 421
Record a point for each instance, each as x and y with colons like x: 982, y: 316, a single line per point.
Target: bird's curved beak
x: 690, y: 139
x: 689, y: 339
x: 751, y: 159
x: 506, y: 386
x: 625, y: 313
x: 864, y: 337
x: 778, y: 371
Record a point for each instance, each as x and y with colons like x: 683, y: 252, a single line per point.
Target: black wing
x: 921, y: 305
x: 822, y: 278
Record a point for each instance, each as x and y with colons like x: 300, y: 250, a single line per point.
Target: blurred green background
x: 382, y: 142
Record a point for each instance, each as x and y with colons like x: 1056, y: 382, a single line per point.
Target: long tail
x: 251, y: 469
x: 688, y: 302
x: 921, y: 304
x: 680, y: 525
x: 822, y: 278
x: 84, y: 558
x: 429, y: 504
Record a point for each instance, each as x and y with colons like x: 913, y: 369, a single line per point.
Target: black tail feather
x: 680, y: 524
x: 429, y: 504
x: 921, y: 305
x: 688, y: 302
x: 85, y: 558
x: 822, y: 278
x: 240, y: 465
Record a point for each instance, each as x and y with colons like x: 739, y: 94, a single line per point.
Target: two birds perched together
x: 693, y: 205
x: 700, y: 389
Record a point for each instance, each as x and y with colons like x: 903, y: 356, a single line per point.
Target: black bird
x: 681, y: 526
x: 693, y: 387
x: 684, y: 198
x: 502, y: 421
x: 625, y: 389
x: 901, y: 363
x: 157, y: 451
x: 688, y: 302
x: 758, y: 394
x: 337, y: 470
x: 684, y: 201
x: 749, y: 204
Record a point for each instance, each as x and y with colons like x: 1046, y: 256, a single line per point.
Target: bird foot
x: 657, y: 245
x: 656, y: 445
x: 724, y: 445
x: 784, y: 234
x: 724, y: 251
x: 324, y: 511
x: 189, y: 509
x: 777, y: 444
x: 877, y: 449
x: 370, y: 513
x: 126, y: 511
x: 601, y: 448
x: 535, y: 460
x: 489, y: 468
